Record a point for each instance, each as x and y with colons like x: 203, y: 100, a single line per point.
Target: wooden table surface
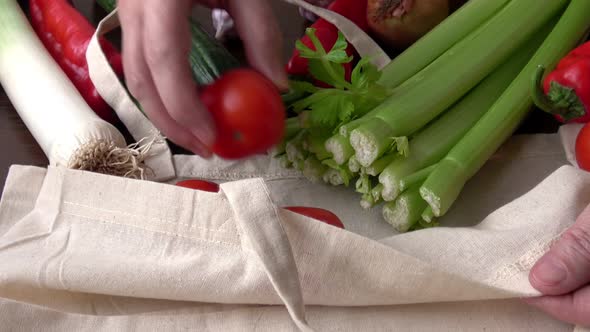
x: 18, y: 146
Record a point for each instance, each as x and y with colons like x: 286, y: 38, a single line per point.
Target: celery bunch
x: 413, y: 134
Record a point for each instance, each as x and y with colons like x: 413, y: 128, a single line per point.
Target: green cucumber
x: 208, y: 58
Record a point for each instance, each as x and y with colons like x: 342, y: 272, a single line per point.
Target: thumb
x: 566, y: 267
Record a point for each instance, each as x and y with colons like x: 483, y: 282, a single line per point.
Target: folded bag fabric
x: 80, y: 250
x: 78, y: 246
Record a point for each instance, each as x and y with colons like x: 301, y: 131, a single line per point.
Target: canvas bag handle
x: 107, y: 84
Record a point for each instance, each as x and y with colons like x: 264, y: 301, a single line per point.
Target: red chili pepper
x: 566, y: 90
x: 66, y: 34
x: 327, y: 33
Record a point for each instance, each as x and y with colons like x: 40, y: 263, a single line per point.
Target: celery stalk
x: 313, y: 169
x: 292, y: 128
x: 294, y: 148
x: 284, y: 161
x: 315, y: 144
x: 428, y: 93
x: 380, y: 164
x: 431, y: 144
x: 416, y: 179
x: 376, y: 192
x: 371, y: 196
x: 340, y: 149
x: 445, y: 183
x: 299, y: 164
x: 405, y: 211
x: 428, y: 215
x: 353, y: 165
x: 345, y: 129
x: 367, y: 201
x: 458, y: 25
x: 426, y: 223
x: 333, y: 177
x: 363, y: 184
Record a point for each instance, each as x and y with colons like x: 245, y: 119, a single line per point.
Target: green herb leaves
x: 326, y: 66
x: 343, y: 101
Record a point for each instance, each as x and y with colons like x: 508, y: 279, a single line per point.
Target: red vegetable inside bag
x: 318, y: 214
x: 66, y: 33
x: 202, y: 185
x: 311, y: 212
x: 327, y: 33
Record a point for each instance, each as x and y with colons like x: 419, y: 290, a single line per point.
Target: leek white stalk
x: 66, y: 128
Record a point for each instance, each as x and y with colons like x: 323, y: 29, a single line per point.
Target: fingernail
x: 206, y: 135
x: 281, y: 80
x: 282, y: 83
x: 549, y: 271
x: 201, y: 151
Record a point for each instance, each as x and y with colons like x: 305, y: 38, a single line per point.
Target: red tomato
x: 248, y: 111
x: 583, y: 148
x: 318, y: 214
x: 199, y: 185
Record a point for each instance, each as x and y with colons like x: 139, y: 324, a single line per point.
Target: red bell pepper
x: 66, y: 34
x: 327, y: 33
x: 566, y: 90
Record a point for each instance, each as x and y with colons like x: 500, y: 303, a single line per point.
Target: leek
x: 67, y: 130
x: 446, y: 182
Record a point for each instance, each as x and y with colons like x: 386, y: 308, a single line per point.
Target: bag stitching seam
x: 156, y: 231
x: 162, y: 220
x: 524, y: 262
x: 242, y: 175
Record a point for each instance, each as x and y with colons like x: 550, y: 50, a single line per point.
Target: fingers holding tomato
x: 248, y: 112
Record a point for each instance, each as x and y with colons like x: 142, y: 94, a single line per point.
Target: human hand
x: 156, y: 44
x: 563, y: 275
